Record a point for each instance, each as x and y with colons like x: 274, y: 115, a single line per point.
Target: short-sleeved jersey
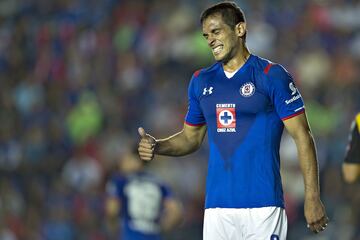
x: 353, y: 148
x: 244, y: 117
x: 142, y: 197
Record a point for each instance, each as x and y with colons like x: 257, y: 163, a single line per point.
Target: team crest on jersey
x: 226, y: 117
x: 247, y: 89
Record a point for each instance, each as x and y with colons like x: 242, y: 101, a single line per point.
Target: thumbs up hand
x: 146, y: 145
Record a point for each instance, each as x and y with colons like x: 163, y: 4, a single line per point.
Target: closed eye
x: 216, y: 31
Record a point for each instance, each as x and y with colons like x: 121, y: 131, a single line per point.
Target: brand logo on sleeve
x: 226, y: 117
x: 247, y: 89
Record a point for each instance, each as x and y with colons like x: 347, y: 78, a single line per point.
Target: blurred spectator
x: 139, y: 202
x: 84, y: 120
x: 82, y: 172
x: 5, y: 233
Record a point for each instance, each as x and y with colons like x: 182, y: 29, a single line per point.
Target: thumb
x: 142, y: 132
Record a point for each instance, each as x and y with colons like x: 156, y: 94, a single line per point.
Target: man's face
x: 220, y: 37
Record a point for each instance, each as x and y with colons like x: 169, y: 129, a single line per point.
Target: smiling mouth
x: 216, y: 50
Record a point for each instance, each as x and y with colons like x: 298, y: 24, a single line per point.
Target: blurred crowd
x: 77, y: 77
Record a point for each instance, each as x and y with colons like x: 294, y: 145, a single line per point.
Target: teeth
x: 217, y: 49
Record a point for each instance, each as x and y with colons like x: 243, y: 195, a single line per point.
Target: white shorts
x: 267, y: 223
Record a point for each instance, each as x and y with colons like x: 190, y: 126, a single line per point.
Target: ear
x: 240, y: 29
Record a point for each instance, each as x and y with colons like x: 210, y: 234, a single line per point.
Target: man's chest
x: 221, y: 98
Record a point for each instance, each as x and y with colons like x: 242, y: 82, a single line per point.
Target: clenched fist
x: 146, y: 145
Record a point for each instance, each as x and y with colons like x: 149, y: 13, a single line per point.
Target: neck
x: 237, y: 61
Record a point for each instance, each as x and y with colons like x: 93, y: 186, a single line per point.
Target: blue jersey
x: 141, y: 197
x: 244, y: 117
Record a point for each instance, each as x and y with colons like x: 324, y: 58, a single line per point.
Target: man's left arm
x: 314, y: 209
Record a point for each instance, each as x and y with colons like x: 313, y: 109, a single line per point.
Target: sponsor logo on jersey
x: 226, y: 117
x: 292, y: 88
x: 208, y: 91
x: 293, y: 99
x: 247, y: 89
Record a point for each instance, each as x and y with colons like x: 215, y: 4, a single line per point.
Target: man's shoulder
x: 117, y: 178
x: 114, y: 183
x: 357, y: 116
x: 204, y: 72
x: 267, y: 67
x: 357, y: 121
x: 272, y: 72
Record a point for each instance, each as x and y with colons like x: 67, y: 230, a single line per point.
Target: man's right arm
x: 186, y: 141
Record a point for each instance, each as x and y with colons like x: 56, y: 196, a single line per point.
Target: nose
x: 211, y: 41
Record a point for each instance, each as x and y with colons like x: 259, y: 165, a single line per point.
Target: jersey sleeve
x: 353, y: 148
x: 113, y: 188
x: 194, y: 115
x: 284, y: 95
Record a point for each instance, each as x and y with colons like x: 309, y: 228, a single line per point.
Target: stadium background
x: 77, y: 77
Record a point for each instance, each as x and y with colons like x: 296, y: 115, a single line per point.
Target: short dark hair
x: 229, y: 11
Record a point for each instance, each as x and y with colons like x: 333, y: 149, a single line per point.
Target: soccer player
x: 351, y: 165
x: 144, y: 205
x: 243, y: 102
